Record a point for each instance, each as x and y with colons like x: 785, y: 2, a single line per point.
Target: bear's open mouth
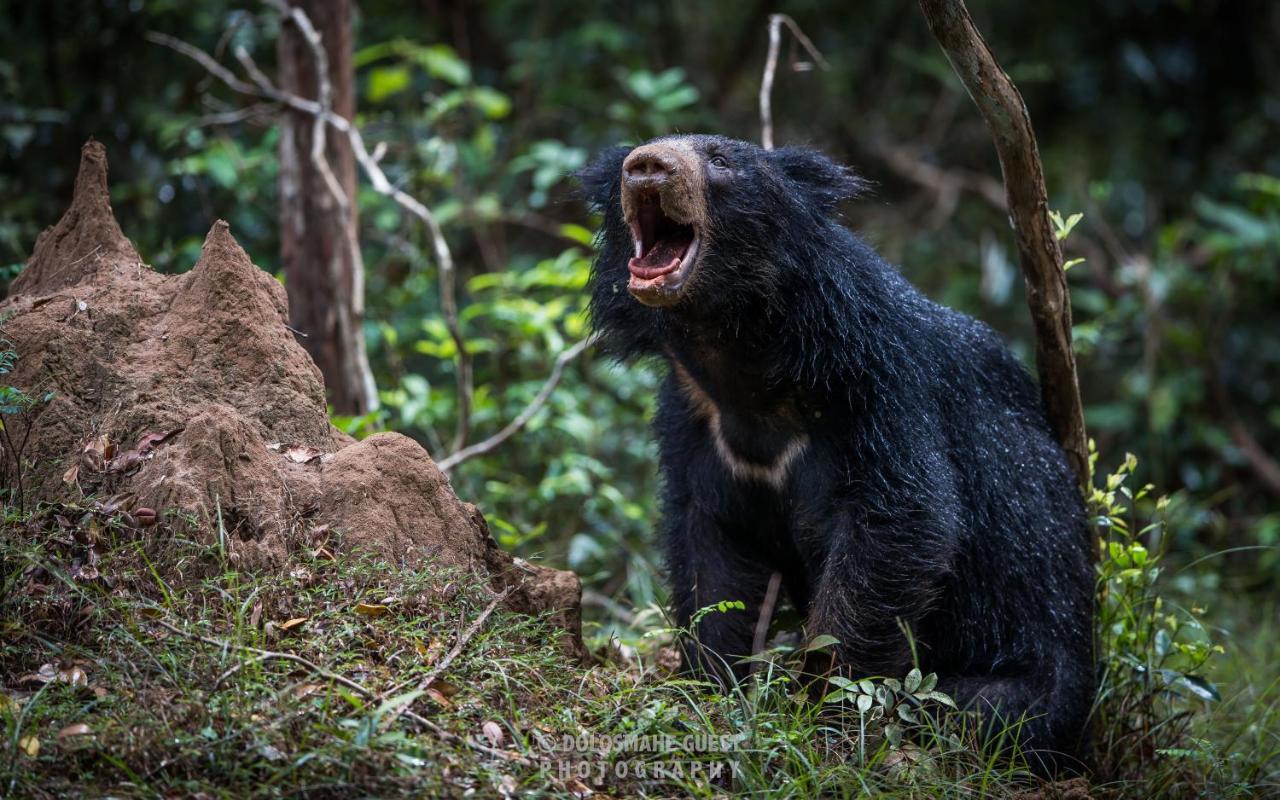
x: 665, y: 250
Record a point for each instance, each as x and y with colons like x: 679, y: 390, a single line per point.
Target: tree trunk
x: 319, y: 246
x: 1040, y: 257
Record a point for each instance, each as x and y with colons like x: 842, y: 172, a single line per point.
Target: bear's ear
x: 602, y: 177
x: 823, y: 181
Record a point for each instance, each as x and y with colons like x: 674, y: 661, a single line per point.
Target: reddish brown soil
x: 205, y: 360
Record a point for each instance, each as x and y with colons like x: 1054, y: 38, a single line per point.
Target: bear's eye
x: 720, y: 162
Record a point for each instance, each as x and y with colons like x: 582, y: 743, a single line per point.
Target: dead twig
x: 766, y: 616
x: 268, y: 655
x: 516, y: 425
x: 444, y: 663
x: 776, y: 21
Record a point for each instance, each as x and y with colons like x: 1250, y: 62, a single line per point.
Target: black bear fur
x: 927, y: 490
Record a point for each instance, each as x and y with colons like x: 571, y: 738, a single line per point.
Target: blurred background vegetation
x: 1159, y: 121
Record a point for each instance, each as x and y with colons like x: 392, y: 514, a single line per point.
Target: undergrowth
x: 137, y: 662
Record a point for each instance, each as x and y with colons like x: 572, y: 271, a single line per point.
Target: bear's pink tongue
x: 662, y: 258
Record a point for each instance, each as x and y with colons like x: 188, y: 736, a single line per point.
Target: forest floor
x: 158, y: 670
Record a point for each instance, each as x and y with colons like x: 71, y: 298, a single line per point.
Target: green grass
x: 161, y: 688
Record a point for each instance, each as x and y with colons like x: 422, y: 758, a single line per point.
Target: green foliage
x: 1155, y: 654
x: 894, y: 704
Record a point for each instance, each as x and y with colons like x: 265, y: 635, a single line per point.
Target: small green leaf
x: 821, y: 642
x: 893, y: 732
x: 836, y: 697
x: 913, y: 681
x: 387, y: 81
x: 1199, y: 687
x: 937, y: 697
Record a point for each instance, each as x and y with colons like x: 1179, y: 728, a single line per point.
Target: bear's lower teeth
x: 663, y: 252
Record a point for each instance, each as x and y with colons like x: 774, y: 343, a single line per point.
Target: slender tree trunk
x: 319, y: 248
x: 1040, y: 257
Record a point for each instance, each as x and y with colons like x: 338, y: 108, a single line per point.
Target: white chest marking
x: 774, y: 474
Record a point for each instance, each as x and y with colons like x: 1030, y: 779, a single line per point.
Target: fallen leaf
x: 45, y: 674
x: 127, y: 461
x: 88, y: 572
x: 74, y: 676
x: 297, y: 453
x: 430, y: 653
x: 438, y: 697
x: 150, y: 440
x: 29, y: 745
x: 96, y: 452
x: 444, y: 687
x: 78, y: 729
x: 270, y: 753
x: 290, y: 624
x: 493, y: 732
x: 371, y: 609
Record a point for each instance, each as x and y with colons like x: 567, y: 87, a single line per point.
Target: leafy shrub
x: 1153, y: 653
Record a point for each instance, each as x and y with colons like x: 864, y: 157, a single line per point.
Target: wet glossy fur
x: 924, y: 484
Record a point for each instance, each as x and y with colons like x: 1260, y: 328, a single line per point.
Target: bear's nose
x: 648, y: 166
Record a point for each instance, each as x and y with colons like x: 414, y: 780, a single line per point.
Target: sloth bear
x: 823, y: 419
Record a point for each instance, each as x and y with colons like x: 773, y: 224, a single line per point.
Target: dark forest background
x: 1158, y: 120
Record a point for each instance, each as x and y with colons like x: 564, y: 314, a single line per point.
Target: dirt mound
x: 189, y: 393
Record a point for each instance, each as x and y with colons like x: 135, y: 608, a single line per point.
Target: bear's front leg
x: 706, y: 569
x: 880, y: 576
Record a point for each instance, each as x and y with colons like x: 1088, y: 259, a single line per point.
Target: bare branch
x: 445, y: 662
x: 256, y: 75
x: 776, y: 21
x: 909, y: 165
x: 766, y: 616
x: 1039, y: 254
x: 516, y: 425
x: 203, y: 59
x: 258, y: 112
x: 263, y: 87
